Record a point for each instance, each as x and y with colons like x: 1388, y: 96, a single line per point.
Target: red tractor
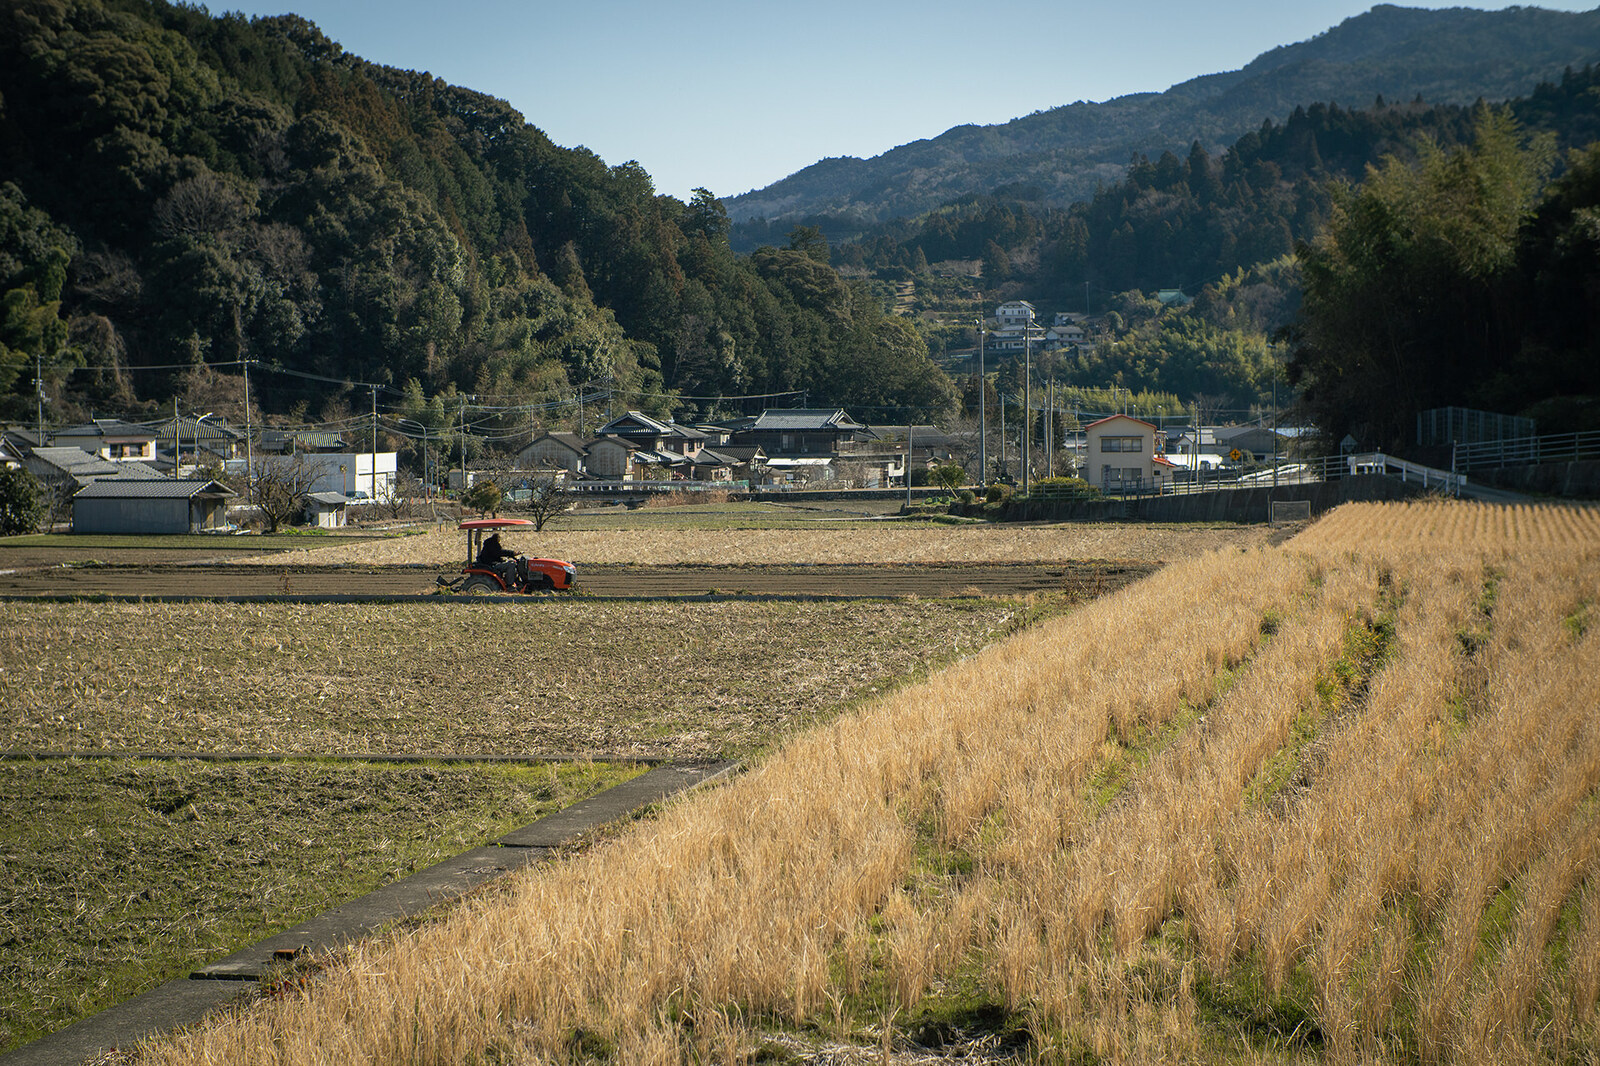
x: 492, y: 570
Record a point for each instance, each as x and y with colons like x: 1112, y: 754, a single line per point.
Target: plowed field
x: 603, y: 580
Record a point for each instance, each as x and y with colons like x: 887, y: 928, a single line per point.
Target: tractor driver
x: 498, y: 559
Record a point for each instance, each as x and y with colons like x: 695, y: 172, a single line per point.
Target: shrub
x: 22, y: 502
x: 999, y: 492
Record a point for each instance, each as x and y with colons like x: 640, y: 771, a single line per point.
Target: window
x: 1122, y: 444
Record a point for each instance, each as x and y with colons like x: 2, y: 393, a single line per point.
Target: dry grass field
x: 830, y: 542
x: 1330, y: 801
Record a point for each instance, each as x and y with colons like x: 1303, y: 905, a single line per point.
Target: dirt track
x: 877, y: 580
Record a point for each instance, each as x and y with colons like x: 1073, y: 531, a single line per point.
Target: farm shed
x: 150, y: 506
x: 326, y: 510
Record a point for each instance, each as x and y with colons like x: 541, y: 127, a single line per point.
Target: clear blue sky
x: 733, y: 95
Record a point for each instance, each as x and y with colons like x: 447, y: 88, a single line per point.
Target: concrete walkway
x: 185, y: 1001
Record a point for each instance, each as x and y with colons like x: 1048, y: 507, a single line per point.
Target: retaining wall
x: 1579, y: 479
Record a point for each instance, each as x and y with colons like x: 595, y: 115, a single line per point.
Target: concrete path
x: 186, y: 1001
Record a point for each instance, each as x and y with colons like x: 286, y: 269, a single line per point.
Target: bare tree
x: 549, y: 497
x: 281, y: 487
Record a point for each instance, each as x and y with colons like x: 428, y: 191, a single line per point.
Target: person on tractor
x: 502, y: 561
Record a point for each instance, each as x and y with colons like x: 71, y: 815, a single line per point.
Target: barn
x: 166, y: 505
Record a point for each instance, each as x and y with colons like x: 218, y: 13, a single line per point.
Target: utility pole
x: 249, y: 444
x: 911, y: 432
x: 1027, y: 408
x: 983, y: 414
x: 1002, y: 436
x: 463, y: 444
x: 1050, y: 430
x: 38, y: 388
x: 374, y: 444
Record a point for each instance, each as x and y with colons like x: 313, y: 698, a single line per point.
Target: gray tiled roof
x: 806, y: 418
x: 151, y: 489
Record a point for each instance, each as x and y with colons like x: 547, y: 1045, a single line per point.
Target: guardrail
x: 1551, y: 448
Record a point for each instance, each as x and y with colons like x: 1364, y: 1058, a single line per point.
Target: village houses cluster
x: 148, y: 477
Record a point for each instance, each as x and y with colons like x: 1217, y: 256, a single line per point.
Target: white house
x: 1122, y: 454
x: 346, y: 473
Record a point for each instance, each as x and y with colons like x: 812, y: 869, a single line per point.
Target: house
x: 1016, y: 328
x: 1015, y: 314
x: 1120, y: 455
x: 111, y: 439
x: 343, y: 472
x: 649, y: 434
x: 612, y: 458
x: 288, y: 441
x: 749, y: 461
x: 1195, y: 448
x: 70, y: 467
x: 801, y: 432
x: 150, y: 505
x: 1246, y: 443
x: 204, y: 438
x: 554, y: 451
x: 709, y: 464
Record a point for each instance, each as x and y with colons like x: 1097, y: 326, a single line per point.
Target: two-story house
x: 111, y: 439
x: 1124, y: 454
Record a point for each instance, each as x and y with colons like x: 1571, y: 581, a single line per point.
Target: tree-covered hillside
x: 1455, y: 55
x: 1226, y: 230
x: 181, y: 193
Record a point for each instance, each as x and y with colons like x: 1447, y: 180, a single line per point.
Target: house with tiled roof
x: 799, y: 433
x: 111, y: 439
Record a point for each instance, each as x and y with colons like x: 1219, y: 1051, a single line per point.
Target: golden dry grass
x: 1334, y: 801
x: 865, y: 542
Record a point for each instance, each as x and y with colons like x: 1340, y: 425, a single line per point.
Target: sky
x: 733, y: 95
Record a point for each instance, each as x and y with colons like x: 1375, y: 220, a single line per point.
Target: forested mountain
x: 1226, y: 230
x: 1062, y: 155
x: 181, y: 193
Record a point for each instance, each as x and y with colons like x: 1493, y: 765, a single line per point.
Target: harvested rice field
x: 861, y: 542
x: 554, y: 678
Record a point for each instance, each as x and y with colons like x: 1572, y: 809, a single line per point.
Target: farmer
x: 498, y: 559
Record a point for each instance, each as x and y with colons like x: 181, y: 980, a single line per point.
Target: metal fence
x: 1462, y: 425
x: 1554, y: 448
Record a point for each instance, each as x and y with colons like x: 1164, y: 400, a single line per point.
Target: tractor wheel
x: 542, y: 583
x: 478, y: 585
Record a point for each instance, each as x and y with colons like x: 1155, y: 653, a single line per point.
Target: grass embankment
x: 122, y: 874
x: 1328, y: 802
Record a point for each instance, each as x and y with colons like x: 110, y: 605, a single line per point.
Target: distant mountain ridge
x: 1455, y: 55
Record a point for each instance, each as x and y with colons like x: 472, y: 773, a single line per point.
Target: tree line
x: 182, y: 193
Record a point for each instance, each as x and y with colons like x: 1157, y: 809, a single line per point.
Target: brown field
x: 1331, y: 801
x: 863, y: 542
x: 539, y: 679
x: 1075, y: 578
